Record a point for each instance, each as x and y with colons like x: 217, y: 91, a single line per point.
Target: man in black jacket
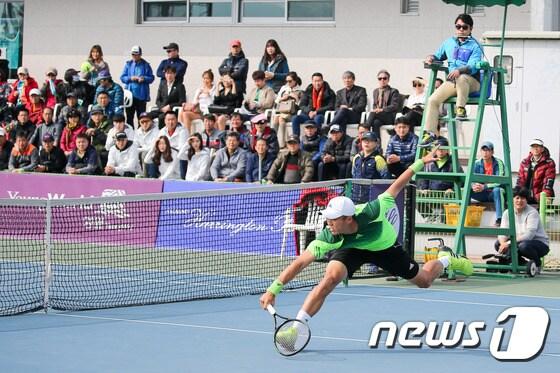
x: 51, y: 157
x: 335, y: 158
x: 315, y: 101
x: 236, y: 65
x: 350, y: 102
x: 171, y: 93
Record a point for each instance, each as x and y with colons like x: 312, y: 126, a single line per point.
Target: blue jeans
x: 302, y: 118
x: 496, y: 195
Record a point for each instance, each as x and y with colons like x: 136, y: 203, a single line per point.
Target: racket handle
x: 271, y: 309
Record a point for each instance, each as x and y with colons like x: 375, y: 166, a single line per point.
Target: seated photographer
x: 532, y: 240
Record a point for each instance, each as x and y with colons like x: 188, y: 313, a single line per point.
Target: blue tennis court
x: 234, y: 335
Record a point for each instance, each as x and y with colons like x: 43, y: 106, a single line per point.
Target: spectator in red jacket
x: 537, y: 172
x: 35, y: 107
x: 53, y: 88
x: 22, y: 87
x: 71, y: 131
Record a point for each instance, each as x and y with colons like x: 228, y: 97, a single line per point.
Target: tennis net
x: 105, y: 252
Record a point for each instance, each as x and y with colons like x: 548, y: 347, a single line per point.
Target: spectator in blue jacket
x: 253, y: 163
x: 462, y: 52
x: 275, y: 65
x: 173, y: 59
x: 115, y: 92
x: 443, y: 163
x: 368, y: 163
x: 137, y: 76
x: 401, y: 149
x: 236, y: 65
x: 489, y: 165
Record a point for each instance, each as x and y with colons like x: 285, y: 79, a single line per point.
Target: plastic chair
x: 314, y: 222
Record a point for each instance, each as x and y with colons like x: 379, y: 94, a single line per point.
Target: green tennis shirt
x: 377, y: 229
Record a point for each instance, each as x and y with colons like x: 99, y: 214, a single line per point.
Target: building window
x: 263, y: 9
x: 236, y: 11
x: 210, y: 10
x: 315, y: 10
x: 475, y: 10
x: 164, y: 10
x: 410, y: 6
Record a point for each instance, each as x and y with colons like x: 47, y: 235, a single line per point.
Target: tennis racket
x: 290, y: 335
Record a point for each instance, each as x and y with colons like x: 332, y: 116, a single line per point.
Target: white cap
x: 135, y: 49
x: 538, y: 142
x: 34, y: 91
x: 2, y: 132
x: 339, y: 206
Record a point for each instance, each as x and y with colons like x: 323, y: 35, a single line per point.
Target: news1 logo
x: 524, y: 342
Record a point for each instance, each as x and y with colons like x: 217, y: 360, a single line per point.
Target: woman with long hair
x: 90, y: 69
x: 291, y: 91
x: 203, y: 96
x: 274, y: 64
x: 165, y: 158
x: 198, y: 158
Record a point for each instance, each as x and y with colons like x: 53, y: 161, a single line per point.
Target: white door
x: 541, y: 95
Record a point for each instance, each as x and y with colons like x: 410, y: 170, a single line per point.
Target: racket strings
x: 292, y: 337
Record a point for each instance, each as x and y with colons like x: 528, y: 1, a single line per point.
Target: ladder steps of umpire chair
x: 462, y: 195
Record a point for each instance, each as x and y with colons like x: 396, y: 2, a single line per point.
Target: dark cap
x: 442, y: 141
x: 47, y: 137
x: 121, y: 136
x: 171, y: 46
x: 488, y: 145
x: 310, y: 123
x: 144, y: 114
x: 118, y: 118
x: 96, y: 109
x: 103, y: 74
x: 70, y: 94
x: 293, y: 138
x: 74, y: 113
x: 335, y: 128
x: 370, y: 136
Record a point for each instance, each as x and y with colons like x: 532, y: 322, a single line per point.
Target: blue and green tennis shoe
x: 457, y: 262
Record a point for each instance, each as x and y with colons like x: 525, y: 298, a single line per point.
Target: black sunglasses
x: 463, y: 27
x: 382, y: 78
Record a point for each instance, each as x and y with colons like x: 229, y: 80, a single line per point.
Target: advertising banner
x: 132, y: 223
x: 262, y: 222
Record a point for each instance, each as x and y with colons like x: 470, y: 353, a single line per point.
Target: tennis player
x: 360, y: 234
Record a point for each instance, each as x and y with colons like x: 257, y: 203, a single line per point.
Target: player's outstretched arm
x: 405, y: 177
x: 288, y: 274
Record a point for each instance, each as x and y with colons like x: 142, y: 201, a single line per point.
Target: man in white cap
x: 137, y: 76
x: 361, y: 234
x: 35, y: 106
x: 537, y: 172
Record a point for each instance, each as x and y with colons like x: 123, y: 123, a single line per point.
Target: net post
x: 48, y: 273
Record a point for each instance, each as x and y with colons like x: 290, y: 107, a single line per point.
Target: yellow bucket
x: 430, y: 253
x: 473, y: 219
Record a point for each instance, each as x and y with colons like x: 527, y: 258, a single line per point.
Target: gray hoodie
x: 528, y: 225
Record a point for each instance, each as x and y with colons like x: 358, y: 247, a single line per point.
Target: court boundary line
x: 429, y: 300
x: 194, y: 326
x: 455, y: 291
